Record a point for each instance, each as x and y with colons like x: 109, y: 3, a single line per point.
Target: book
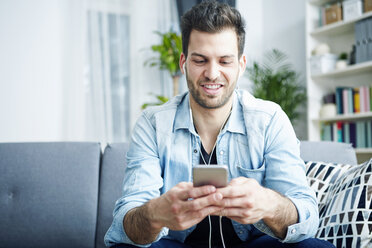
x: 367, y: 98
x: 361, y: 99
x: 368, y: 133
x: 326, y: 132
x: 353, y: 134
x: 370, y: 87
x: 346, y: 132
x: 339, y: 132
x: 339, y: 103
x: 360, y: 134
x: 334, y: 132
x: 350, y: 100
x: 356, y: 100
x: 345, y: 102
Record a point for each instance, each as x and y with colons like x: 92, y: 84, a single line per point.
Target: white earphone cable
x: 223, y: 242
x: 210, y: 231
x: 209, y: 161
x: 209, y: 217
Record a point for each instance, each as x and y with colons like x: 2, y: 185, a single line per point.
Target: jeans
x: 264, y: 241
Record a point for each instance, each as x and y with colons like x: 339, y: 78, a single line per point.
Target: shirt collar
x: 235, y: 124
x: 183, y: 118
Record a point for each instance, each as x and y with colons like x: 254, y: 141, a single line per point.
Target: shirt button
x: 293, y: 231
x: 221, y: 152
x: 241, y: 232
x: 195, y: 151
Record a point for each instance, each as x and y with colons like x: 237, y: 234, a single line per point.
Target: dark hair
x: 212, y: 17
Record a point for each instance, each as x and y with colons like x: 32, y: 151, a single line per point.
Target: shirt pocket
x: 257, y: 174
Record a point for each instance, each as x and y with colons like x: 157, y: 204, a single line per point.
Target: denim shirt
x: 257, y: 142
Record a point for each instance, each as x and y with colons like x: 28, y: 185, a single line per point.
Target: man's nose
x: 212, y: 71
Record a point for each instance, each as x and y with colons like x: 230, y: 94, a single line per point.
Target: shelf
x: 339, y: 36
x: 363, y: 150
x: 320, y: 2
x: 339, y: 27
x: 348, y: 71
x: 346, y: 117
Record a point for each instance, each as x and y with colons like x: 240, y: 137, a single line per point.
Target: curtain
x: 119, y: 36
x: 108, y: 101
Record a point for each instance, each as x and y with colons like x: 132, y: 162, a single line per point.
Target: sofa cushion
x: 321, y: 176
x: 111, y: 180
x: 346, y: 219
x: 48, y: 194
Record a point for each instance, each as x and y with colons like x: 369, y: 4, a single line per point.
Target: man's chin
x: 212, y: 104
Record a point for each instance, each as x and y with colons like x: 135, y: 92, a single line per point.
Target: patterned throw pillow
x: 321, y: 176
x: 346, y: 219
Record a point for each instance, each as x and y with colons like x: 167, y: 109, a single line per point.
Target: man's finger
x: 238, y: 181
x: 231, y: 191
x: 240, y: 202
x: 202, y: 202
x: 234, y: 213
x: 197, y: 192
x: 182, y: 190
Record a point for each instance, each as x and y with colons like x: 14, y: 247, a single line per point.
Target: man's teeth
x: 215, y: 86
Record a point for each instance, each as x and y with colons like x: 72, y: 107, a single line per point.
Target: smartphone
x: 210, y: 175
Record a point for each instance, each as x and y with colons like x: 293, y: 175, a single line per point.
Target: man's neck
x: 209, y: 122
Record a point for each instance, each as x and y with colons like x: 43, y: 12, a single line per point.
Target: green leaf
x: 161, y: 100
x: 168, y: 52
x: 274, y: 79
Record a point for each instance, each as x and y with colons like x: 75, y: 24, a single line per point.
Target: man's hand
x: 247, y: 202
x: 175, y: 209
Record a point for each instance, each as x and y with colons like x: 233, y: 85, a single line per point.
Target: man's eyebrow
x: 198, y: 54
x: 222, y: 57
x: 227, y: 56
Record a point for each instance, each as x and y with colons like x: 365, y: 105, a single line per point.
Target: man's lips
x: 212, y: 89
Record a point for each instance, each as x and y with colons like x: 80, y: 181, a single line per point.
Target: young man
x: 267, y: 201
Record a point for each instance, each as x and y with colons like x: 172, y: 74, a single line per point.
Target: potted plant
x: 342, y: 61
x: 169, y: 51
x: 274, y: 79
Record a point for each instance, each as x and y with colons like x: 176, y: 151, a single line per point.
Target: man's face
x: 212, y: 67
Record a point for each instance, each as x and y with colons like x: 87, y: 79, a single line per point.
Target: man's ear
x: 183, y: 63
x: 242, y: 64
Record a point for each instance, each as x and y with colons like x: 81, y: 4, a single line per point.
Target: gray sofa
x: 62, y: 194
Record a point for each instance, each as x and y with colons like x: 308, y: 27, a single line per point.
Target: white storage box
x: 352, y: 9
x: 323, y: 63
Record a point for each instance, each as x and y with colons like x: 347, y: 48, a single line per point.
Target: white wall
x: 30, y: 70
x: 41, y: 62
x: 42, y: 90
x: 252, y: 13
x: 276, y: 24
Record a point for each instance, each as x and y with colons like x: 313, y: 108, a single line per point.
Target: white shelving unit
x: 340, y: 38
x: 348, y: 71
x: 347, y: 117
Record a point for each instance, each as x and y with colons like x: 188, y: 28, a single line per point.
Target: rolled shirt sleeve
x: 142, y: 181
x: 116, y: 233
x: 285, y: 173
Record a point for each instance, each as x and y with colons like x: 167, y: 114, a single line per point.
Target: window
x: 108, y: 39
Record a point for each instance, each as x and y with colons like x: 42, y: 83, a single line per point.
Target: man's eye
x: 226, y: 62
x: 199, y: 61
